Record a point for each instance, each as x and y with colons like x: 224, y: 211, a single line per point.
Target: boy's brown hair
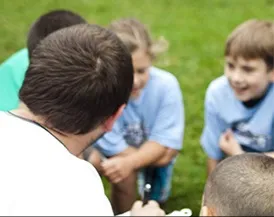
x: 242, y: 185
x: 77, y: 78
x: 252, y: 39
x: 135, y: 35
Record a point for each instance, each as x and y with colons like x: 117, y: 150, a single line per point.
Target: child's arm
x: 119, y: 167
x: 213, y: 129
x: 211, y: 164
x: 149, y: 153
x: 168, y: 156
x: 162, y: 159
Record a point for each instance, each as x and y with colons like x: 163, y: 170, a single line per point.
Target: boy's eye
x: 230, y: 65
x: 248, y: 69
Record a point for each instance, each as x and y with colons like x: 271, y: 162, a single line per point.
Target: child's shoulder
x: 19, y: 55
x: 220, y: 83
x: 17, y: 63
x: 218, y: 88
x: 162, y: 77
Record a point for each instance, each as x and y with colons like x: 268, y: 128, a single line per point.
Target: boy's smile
x: 249, y: 79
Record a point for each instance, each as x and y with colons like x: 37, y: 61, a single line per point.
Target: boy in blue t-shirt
x: 149, y: 133
x: 239, y: 106
x: 13, y: 70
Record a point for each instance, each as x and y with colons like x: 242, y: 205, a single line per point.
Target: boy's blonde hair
x: 252, y: 39
x: 242, y: 185
x: 136, y: 36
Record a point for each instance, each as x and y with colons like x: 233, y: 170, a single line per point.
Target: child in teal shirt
x: 12, y: 71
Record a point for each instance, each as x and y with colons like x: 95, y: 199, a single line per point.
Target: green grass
x: 196, y: 31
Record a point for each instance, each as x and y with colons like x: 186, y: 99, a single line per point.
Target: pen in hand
x: 146, y: 197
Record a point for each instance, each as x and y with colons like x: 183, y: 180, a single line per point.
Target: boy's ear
x: 206, y: 211
x: 111, y: 120
x: 271, y: 74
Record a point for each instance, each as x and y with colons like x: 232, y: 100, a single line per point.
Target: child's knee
x: 128, y: 184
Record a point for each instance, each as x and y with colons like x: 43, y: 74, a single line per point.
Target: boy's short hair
x: 50, y: 22
x: 242, y: 185
x: 77, y: 78
x: 252, y: 39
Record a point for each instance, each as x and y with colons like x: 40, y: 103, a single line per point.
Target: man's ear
x: 111, y: 120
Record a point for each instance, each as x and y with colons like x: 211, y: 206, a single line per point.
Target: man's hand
x: 117, y: 168
x: 229, y: 144
x: 150, y: 209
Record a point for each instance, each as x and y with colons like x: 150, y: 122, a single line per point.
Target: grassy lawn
x: 196, y: 30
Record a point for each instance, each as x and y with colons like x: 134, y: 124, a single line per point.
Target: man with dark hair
x: 76, y: 86
x: 12, y: 71
x: 241, y: 185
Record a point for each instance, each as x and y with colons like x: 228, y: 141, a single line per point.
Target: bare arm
x: 121, y: 166
x: 211, y: 164
x: 168, y: 156
x: 149, y: 153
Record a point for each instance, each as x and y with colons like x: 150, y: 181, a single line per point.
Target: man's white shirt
x: 39, y: 176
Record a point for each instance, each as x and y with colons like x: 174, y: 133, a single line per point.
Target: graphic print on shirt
x: 249, y: 139
x: 135, y: 133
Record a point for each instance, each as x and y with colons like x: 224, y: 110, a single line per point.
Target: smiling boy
x: 239, y: 106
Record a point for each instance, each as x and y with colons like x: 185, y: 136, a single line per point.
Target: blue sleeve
x: 168, y: 128
x: 112, y: 143
x: 214, y: 127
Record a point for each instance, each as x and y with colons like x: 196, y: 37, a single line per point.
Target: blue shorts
x: 160, y: 182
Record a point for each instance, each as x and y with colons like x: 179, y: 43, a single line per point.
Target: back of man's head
x: 78, y: 77
x: 50, y: 22
x: 241, y: 185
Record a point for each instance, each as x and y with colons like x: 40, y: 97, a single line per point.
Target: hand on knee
x: 117, y: 168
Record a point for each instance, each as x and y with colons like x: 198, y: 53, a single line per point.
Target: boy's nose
x: 237, y: 77
x: 136, y: 81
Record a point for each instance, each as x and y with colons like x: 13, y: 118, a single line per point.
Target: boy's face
x: 249, y: 79
x: 141, y: 64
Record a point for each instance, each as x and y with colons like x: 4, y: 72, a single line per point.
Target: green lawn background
x: 196, y: 31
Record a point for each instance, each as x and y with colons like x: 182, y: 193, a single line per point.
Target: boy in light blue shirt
x: 239, y: 106
x: 13, y: 70
x: 149, y: 133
